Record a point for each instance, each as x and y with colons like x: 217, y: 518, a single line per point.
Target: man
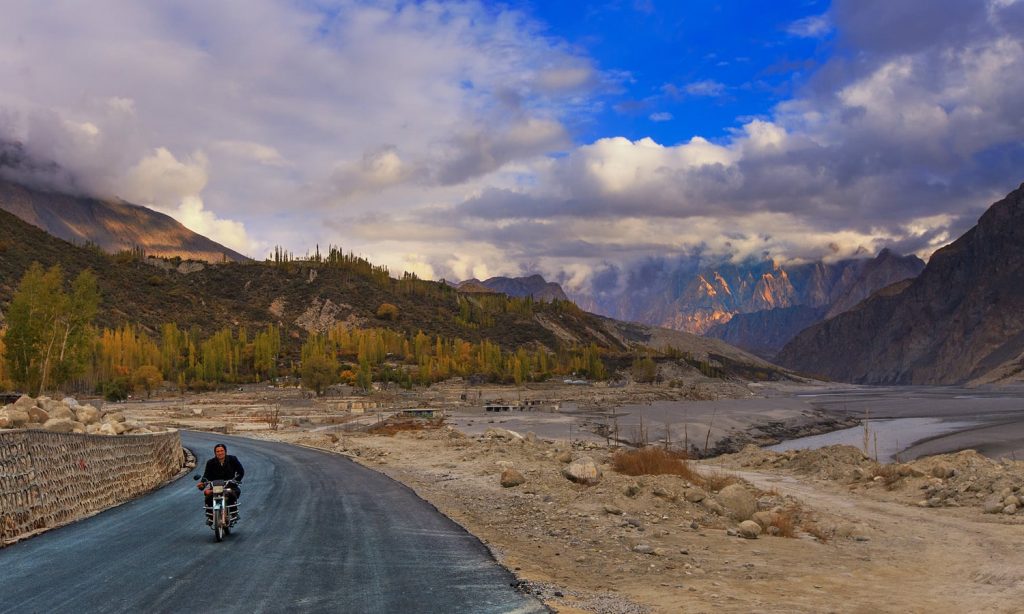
x: 222, y: 466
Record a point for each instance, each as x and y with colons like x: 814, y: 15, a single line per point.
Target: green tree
x: 319, y: 368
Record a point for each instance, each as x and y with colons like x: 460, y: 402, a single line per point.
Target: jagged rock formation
x: 703, y: 300
x: 766, y: 332
x: 111, y: 225
x: 534, y: 285
x: 962, y: 319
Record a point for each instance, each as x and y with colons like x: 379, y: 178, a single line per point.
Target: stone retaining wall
x: 50, y: 479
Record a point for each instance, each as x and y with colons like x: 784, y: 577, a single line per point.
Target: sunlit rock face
x: 960, y: 320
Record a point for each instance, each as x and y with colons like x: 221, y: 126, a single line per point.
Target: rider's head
x: 220, y: 451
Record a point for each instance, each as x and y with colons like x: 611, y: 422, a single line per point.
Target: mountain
x: 765, y: 332
x: 534, y: 285
x: 112, y: 225
x: 688, y: 296
x: 960, y: 320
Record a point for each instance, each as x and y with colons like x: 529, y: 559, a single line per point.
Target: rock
x: 993, y: 505
x: 507, y: 435
x: 643, y: 549
x: 695, y: 495
x: 37, y: 415
x: 92, y: 429
x: 737, y: 501
x: 632, y: 489
x: 15, y: 418
x: 564, y: 456
x: 510, y: 477
x: 583, y: 470
x: 714, y: 507
x: 611, y: 509
x: 1010, y: 509
x: 118, y: 427
x: 107, y: 428
x: 1012, y: 500
x: 634, y: 522
x: 71, y: 402
x: 114, y: 416
x: 764, y: 519
x: 935, y: 502
x: 531, y: 437
x: 749, y: 529
x: 61, y: 425
x: 24, y: 402
x: 663, y: 494
x: 943, y: 471
x: 87, y: 414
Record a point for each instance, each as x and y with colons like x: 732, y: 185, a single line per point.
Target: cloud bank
x: 438, y: 137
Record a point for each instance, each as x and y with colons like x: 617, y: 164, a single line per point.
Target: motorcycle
x: 220, y: 516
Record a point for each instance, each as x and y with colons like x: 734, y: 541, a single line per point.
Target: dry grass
x: 389, y: 428
x: 717, y: 480
x: 890, y: 475
x: 785, y: 523
x: 653, y: 461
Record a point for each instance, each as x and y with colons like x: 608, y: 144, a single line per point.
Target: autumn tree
x: 148, y: 378
x: 319, y: 366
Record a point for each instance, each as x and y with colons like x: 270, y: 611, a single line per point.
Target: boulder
x: 71, y: 402
x: 632, y: 489
x: 87, y: 414
x: 531, y: 437
x: 749, y: 529
x: 114, y: 416
x: 1012, y: 500
x: 993, y: 505
x: 611, y: 509
x: 16, y: 418
x: 38, y: 415
x: 695, y: 495
x: 24, y: 402
x: 108, y: 428
x: 58, y: 411
x: 737, y: 501
x: 92, y: 429
x: 1010, y: 509
x: 510, y: 477
x: 564, y: 456
x: 643, y: 549
x: 764, y: 519
x: 61, y: 425
x: 713, y: 506
x: 943, y: 471
x: 583, y: 470
x: 118, y: 427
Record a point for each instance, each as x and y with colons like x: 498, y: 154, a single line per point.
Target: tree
x: 148, y: 378
x: 319, y: 368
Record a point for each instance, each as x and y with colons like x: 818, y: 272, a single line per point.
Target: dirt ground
x: 866, y: 537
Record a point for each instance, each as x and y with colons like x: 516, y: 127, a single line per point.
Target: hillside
x: 112, y: 225
x: 962, y: 319
x: 302, y: 297
x: 534, y: 286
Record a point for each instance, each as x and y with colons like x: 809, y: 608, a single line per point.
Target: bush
x: 116, y: 390
x: 387, y: 311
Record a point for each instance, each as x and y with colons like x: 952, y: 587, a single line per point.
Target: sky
x: 474, y: 139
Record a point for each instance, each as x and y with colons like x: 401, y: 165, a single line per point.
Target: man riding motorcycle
x: 222, y: 466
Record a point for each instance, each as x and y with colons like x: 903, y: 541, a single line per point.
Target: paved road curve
x: 317, y: 533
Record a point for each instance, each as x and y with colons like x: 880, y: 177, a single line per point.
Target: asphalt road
x: 318, y: 533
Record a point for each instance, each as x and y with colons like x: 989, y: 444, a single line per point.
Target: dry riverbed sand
x: 867, y: 539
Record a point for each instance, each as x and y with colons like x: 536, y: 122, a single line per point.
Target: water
x: 893, y: 436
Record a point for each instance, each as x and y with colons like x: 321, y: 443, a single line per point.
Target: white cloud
x: 815, y: 26
x: 662, y: 116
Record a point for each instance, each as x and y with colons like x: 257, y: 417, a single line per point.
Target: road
x: 318, y: 533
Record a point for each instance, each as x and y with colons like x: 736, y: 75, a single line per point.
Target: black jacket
x: 215, y: 471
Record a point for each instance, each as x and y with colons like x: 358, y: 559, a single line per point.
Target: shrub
x: 653, y: 461
x: 117, y: 389
x: 387, y: 311
x: 783, y: 521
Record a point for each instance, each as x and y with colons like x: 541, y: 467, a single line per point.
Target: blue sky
x: 735, y: 66
x: 466, y: 138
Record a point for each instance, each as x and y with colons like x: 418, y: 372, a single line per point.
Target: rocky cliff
x: 112, y: 225
x: 962, y: 319
x: 765, y: 332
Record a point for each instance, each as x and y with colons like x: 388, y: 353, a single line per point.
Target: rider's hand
x: 200, y: 485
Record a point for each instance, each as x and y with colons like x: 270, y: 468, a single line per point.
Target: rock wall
x: 50, y: 479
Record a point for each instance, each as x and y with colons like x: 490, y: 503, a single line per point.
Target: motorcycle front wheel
x: 218, y: 527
